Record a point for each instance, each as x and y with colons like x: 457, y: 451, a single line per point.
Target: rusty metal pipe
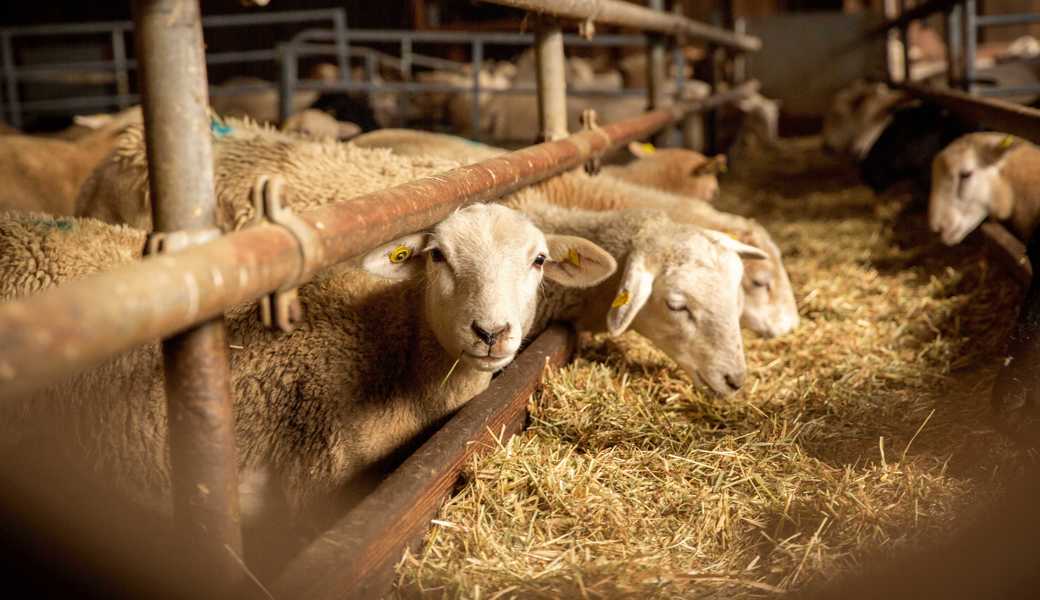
x: 998, y: 115
x: 550, y: 66
x: 77, y: 325
x: 656, y: 72
x: 616, y: 12
x: 197, y: 373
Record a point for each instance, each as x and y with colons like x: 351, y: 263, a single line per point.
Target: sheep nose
x: 734, y: 380
x: 489, y: 335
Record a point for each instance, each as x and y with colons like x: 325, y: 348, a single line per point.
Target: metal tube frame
x: 551, y: 77
x: 197, y: 372
x: 656, y: 72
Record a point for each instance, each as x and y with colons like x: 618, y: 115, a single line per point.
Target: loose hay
x: 866, y: 428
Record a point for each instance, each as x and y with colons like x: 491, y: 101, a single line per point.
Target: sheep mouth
x: 487, y: 362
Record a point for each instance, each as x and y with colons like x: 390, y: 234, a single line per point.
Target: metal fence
x: 77, y: 325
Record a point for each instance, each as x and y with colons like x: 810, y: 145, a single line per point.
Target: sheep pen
x: 866, y: 429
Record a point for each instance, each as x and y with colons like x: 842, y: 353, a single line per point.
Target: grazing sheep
x: 45, y: 174
x: 908, y: 145
x: 383, y: 353
x: 770, y: 308
x: 857, y: 116
x: 679, y: 287
x: 675, y: 170
x: 316, y: 173
x: 985, y: 175
x: 320, y: 125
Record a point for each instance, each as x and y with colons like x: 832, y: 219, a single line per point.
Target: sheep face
x: 770, y: 309
x: 685, y: 296
x: 677, y: 171
x: 857, y: 116
x: 965, y: 179
x: 483, y: 268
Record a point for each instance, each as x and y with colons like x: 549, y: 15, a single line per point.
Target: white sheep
x: 675, y: 170
x: 984, y: 175
x: 679, y: 286
x: 316, y: 173
x: 770, y: 308
x: 384, y: 352
x: 320, y: 125
x: 45, y: 174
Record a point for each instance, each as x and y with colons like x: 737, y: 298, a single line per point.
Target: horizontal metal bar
x: 66, y: 329
x: 1004, y: 92
x: 616, y: 12
x: 914, y: 14
x: 261, y: 18
x: 995, y: 114
x: 408, y: 86
x: 356, y: 557
x: 1000, y: 20
x: 486, y: 37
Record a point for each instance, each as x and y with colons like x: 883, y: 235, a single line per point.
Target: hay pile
x: 867, y: 428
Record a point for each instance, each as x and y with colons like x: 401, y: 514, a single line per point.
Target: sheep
x: 985, y: 175
x: 675, y: 170
x: 679, y: 287
x: 770, y: 309
x: 857, y: 116
x: 386, y: 349
x: 45, y: 174
x: 262, y: 105
x: 321, y: 125
x: 316, y: 173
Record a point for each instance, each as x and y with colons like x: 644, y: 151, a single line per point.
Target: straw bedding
x: 866, y: 429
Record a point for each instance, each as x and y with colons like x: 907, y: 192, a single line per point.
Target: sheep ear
x: 743, y: 250
x: 577, y: 262
x: 641, y: 150
x: 636, y: 284
x: 994, y: 154
x: 400, y: 259
x: 713, y: 166
x: 346, y: 130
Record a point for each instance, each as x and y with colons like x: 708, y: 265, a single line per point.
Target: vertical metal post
x: 287, y: 79
x: 711, y: 141
x: 656, y: 72
x: 954, y: 51
x: 904, y: 35
x: 339, y: 25
x: 478, y: 65
x: 551, y: 71
x: 403, y: 100
x: 12, y: 82
x: 971, y: 40
x: 119, y: 64
x: 198, y: 380
x: 740, y: 59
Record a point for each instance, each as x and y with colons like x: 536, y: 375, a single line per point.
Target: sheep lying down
x: 385, y: 351
x: 984, y: 175
x: 769, y: 303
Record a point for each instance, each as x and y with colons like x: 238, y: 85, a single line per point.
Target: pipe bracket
x: 589, y: 123
x: 282, y: 307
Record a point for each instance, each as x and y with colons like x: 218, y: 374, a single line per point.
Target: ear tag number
x: 400, y: 254
x: 573, y: 257
x: 621, y: 300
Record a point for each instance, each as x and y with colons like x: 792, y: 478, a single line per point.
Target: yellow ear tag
x: 649, y: 148
x: 723, y: 167
x: 1007, y: 141
x: 621, y: 300
x: 573, y: 257
x: 400, y: 254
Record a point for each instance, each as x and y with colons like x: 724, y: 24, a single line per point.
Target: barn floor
x: 866, y: 429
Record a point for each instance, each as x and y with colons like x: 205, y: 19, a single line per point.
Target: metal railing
x: 13, y: 107
x: 67, y: 329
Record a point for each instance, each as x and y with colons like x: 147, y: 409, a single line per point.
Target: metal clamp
x: 587, y: 29
x: 588, y: 123
x: 282, y: 307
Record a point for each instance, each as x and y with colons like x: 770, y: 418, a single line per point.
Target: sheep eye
x: 436, y: 255
x: 964, y: 175
x: 682, y: 308
x: 539, y: 260
x: 760, y: 283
